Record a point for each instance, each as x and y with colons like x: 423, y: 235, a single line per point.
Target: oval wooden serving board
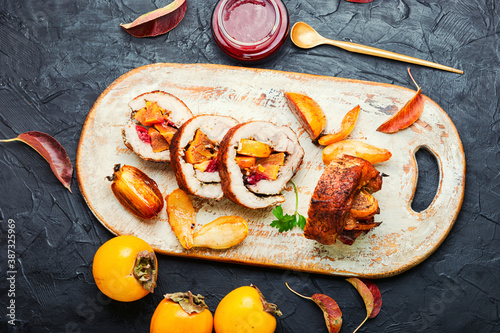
x: 404, y: 239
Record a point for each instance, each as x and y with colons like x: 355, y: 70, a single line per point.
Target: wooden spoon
x: 304, y: 36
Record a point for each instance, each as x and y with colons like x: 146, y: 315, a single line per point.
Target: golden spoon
x: 304, y: 36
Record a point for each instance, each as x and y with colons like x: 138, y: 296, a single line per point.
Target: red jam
x: 250, y: 30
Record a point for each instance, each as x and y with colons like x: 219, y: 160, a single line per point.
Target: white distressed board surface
x: 404, y: 239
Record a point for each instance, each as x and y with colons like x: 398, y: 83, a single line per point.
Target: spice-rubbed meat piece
x: 329, y: 215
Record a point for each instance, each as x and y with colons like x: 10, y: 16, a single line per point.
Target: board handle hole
x: 428, y: 179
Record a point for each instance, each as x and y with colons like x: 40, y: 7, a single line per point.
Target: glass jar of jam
x: 250, y: 30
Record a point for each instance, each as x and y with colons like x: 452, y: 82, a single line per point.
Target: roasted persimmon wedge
x: 308, y: 113
x: 346, y: 127
x: 136, y: 191
x: 355, y: 148
x: 222, y: 233
x: 181, y: 217
x: 166, y: 131
x: 158, y: 142
x: 253, y: 148
x: 364, y: 205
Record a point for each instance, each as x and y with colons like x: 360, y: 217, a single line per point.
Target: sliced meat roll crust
x: 259, y: 184
x: 194, y: 151
x: 135, y: 134
x: 344, y: 181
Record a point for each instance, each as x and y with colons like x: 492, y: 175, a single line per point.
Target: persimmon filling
x: 156, y: 128
x: 202, y: 153
x: 258, y: 161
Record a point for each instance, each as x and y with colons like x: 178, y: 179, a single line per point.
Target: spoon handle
x: 363, y: 49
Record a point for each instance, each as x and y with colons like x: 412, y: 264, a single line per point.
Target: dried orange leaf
x: 52, y: 151
x: 407, y: 115
x: 355, y: 148
x: 158, y: 21
x: 330, y: 308
x: 346, y: 127
x: 371, y: 297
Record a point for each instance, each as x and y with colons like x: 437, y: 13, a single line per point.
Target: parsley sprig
x: 288, y: 222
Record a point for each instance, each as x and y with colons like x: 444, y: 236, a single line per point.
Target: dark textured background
x: 56, y: 57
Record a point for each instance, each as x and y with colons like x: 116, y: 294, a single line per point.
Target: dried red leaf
x: 52, y: 151
x: 360, y: 1
x: 371, y: 297
x: 407, y: 115
x: 157, y: 22
x: 330, y: 308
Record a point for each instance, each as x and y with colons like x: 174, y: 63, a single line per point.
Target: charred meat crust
x: 222, y: 164
x: 334, y: 194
